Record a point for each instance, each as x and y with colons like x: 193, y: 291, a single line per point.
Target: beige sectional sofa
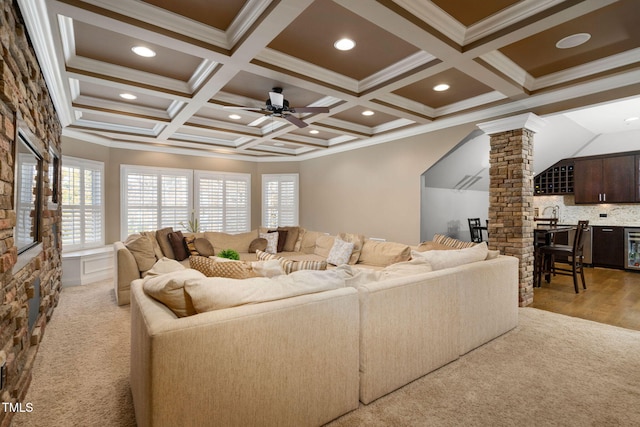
x: 307, y: 246
x: 307, y: 359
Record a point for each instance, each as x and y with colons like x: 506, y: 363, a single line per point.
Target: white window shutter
x: 280, y: 200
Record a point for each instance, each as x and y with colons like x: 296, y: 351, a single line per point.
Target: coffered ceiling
x: 498, y: 57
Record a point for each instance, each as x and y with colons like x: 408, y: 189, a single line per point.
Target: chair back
x: 476, y: 233
x: 578, y: 239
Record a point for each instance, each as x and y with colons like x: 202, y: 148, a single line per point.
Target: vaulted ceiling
x: 498, y: 57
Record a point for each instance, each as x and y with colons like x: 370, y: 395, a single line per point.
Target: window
x: 223, y: 201
x: 279, y: 200
x: 82, y: 203
x: 154, y: 198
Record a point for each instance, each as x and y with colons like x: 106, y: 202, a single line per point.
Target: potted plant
x: 229, y: 254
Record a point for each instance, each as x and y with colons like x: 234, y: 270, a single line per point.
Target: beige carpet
x: 552, y: 370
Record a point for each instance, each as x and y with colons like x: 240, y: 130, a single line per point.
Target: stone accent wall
x: 23, y: 90
x: 511, y: 203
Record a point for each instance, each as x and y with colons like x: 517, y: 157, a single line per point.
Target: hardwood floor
x: 612, y: 297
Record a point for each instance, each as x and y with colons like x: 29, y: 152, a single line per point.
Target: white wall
x: 446, y: 211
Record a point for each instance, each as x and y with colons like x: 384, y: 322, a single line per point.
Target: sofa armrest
x: 285, y: 362
x: 125, y: 270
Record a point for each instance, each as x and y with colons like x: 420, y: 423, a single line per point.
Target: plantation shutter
x: 279, y: 200
x: 223, y: 201
x: 82, y: 203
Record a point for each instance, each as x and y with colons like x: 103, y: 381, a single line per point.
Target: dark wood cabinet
x: 605, y: 180
x: 607, y: 246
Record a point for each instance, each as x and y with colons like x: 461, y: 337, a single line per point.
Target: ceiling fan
x: 277, y: 106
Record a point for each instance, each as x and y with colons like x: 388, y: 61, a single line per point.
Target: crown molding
x: 245, y: 19
x: 528, y: 121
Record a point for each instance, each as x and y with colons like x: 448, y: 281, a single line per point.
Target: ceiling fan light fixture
x: 128, y: 96
x: 344, y: 44
x: 573, y: 40
x: 143, y: 51
x: 367, y: 113
x: 441, y: 87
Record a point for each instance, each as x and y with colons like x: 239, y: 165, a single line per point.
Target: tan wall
x: 373, y: 190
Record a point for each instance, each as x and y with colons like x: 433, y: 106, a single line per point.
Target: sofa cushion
x: 141, y: 248
x: 165, y: 265
x: 239, y: 242
x: 154, y: 241
x: 169, y: 289
x: 212, y: 268
x: 324, y: 243
x: 340, y: 252
x: 177, y: 244
x: 163, y: 241
x: 290, y: 265
x: 272, y: 241
x: 383, y: 254
x: 258, y: 244
x: 358, y: 241
x: 270, y: 268
x: 431, y: 245
x: 215, y: 293
x: 203, y: 247
x: 453, y: 258
x: 308, y: 242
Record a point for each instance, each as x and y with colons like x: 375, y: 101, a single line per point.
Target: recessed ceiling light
x: 314, y: 131
x: 278, y: 144
x: 368, y: 113
x: 631, y: 119
x: 573, y: 40
x: 441, y: 87
x: 234, y: 116
x: 344, y: 44
x: 143, y: 51
x: 129, y: 96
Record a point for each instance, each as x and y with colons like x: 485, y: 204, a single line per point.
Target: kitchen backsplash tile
x: 570, y: 213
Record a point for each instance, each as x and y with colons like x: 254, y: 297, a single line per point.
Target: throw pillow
x: 156, y: 247
x: 168, y: 288
x: 292, y: 238
x: 229, y: 269
x: 258, y: 244
x: 272, y: 242
x: 282, y: 238
x: 163, y: 241
x: 204, y: 247
x: 141, y: 248
x: 450, y: 241
x: 340, y: 252
x: 430, y: 246
x: 165, y: 265
x: 271, y: 268
x: 358, y: 241
x: 266, y: 256
x: 290, y: 265
x: 190, y: 241
x: 177, y: 244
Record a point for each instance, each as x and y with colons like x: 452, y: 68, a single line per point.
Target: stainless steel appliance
x: 632, y: 248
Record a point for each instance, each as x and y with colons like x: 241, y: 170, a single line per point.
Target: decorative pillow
x: 290, y: 265
x: 450, y: 241
x: 230, y: 269
x: 156, y: 247
x: 269, y: 268
x: 431, y: 245
x: 340, y: 252
x: 282, y: 238
x: 141, y: 248
x: 164, y: 265
x: 292, y: 238
x: 163, y: 241
x: 258, y: 244
x: 266, y: 256
x: 169, y: 289
x: 382, y: 254
x: 324, y: 244
x: 204, y: 247
x: 452, y: 258
x: 177, y: 244
x: 358, y: 241
x: 272, y: 242
x: 190, y: 242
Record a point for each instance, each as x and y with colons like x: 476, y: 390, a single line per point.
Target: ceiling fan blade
x: 277, y: 99
x: 310, y: 110
x: 296, y: 121
x: 229, y: 107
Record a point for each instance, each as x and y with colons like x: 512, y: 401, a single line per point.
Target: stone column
x: 511, y: 193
